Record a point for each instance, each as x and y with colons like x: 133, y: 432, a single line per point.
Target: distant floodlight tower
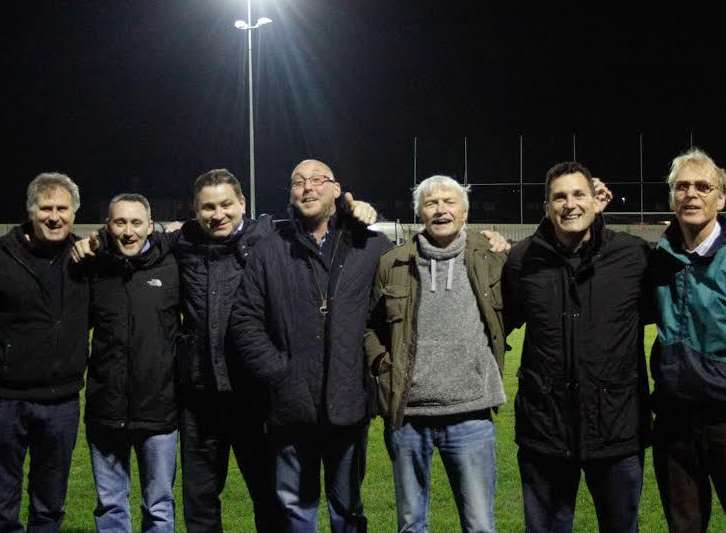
x: 245, y: 26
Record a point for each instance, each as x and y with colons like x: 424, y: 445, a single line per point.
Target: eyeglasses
x: 703, y: 188
x: 316, y: 181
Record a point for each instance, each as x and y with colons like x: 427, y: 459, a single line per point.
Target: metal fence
x: 506, y: 172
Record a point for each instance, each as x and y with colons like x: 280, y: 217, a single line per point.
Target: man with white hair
x: 435, y: 346
x: 43, y: 353
x: 689, y: 357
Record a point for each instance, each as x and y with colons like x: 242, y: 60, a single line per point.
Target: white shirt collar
x: 703, y: 248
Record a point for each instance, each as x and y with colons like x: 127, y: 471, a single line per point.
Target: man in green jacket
x: 688, y: 361
x: 435, y: 347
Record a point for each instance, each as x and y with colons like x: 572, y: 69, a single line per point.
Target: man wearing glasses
x: 688, y: 361
x: 298, y: 323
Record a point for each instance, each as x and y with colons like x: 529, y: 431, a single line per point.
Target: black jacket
x: 43, y: 350
x: 135, y: 316
x: 210, y: 272
x: 582, y: 381
x: 313, y: 363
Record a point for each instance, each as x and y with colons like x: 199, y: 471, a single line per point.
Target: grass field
x: 378, y: 488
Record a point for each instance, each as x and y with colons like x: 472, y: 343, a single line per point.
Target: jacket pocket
x: 495, y: 291
x: 535, y: 415
x: 396, y: 298
x: 619, y: 412
x: 383, y: 379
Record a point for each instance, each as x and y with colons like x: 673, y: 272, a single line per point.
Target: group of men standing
x: 149, y: 372
x: 295, y: 334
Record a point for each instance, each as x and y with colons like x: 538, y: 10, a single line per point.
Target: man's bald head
x: 311, y: 167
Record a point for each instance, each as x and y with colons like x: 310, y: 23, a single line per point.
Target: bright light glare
x: 262, y: 21
x: 241, y: 24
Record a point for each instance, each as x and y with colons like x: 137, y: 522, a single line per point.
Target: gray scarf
x: 434, y: 253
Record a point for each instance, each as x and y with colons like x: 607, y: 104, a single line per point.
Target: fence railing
x: 506, y: 171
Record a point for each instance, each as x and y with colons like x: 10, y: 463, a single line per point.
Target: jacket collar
x: 304, y: 235
x: 17, y: 243
x: 475, y: 242
x: 153, y: 254
x: 193, y: 232
x: 545, y: 237
x: 672, y: 242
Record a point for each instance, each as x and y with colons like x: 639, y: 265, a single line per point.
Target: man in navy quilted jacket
x: 298, y: 323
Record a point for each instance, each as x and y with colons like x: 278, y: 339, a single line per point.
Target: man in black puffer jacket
x: 43, y: 353
x: 583, y: 388
x: 130, y: 400
x: 298, y: 325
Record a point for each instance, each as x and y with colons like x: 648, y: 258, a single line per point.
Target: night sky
x: 144, y: 95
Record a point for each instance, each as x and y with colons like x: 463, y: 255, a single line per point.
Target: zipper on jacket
x: 682, y: 333
x: 129, y: 335
x: 571, y: 385
x: 325, y: 299
x: 57, y: 320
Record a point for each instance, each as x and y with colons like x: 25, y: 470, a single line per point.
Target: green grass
x: 378, y: 488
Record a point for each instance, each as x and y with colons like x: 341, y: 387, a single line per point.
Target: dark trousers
x: 300, y: 452
x: 48, y: 431
x: 549, y: 490
x: 689, y: 453
x: 211, y: 424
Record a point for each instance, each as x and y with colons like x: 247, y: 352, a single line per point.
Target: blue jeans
x: 48, y: 430
x: 549, y: 490
x: 467, y: 449
x: 298, y: 454
x: 110, y: 459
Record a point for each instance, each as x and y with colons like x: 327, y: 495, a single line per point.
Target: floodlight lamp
x: 262, y: 21
x: 241, y: 25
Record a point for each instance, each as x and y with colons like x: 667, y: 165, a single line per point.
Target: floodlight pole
x: 252, y: 112
x: 248, y: 27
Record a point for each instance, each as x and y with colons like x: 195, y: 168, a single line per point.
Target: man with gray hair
x: 43, y: 353
x: 688, y: 361
x: 435, y: 346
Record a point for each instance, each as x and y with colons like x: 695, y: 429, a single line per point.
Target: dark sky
x: 144, y: 95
